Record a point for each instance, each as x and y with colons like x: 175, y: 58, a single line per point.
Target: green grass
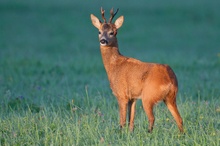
x: 54, y: 89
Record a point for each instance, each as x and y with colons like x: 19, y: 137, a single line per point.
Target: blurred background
x: 49, y: 48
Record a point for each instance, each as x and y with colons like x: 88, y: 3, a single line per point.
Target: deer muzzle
x: 103, y: 42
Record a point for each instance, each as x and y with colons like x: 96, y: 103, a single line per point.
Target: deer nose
x: 103, y: 42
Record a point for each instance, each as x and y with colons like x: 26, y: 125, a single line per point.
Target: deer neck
x: 111, y: 58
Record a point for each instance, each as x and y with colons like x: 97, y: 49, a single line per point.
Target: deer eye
x: 111, y: 33
x: 99, y: 32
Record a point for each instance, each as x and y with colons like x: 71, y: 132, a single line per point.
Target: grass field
x: 54, y: 89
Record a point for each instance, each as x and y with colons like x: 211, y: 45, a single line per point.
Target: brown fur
x: 131, y: 79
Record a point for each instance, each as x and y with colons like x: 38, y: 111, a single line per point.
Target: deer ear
x: 95, y: 21
x: 119, y: 22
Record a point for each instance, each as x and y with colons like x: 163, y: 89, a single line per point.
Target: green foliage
x: 54, y: 89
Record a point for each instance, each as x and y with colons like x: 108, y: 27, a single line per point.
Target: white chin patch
x: 103, y: 44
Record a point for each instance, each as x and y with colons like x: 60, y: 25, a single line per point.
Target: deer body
x: 131, y: 79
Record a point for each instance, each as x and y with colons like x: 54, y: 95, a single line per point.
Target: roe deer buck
x: 131, y: 79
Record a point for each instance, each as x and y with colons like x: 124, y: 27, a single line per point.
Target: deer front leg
x: 131, y: 110
x: 122, y: 112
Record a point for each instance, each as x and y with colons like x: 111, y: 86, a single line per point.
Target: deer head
x: 107, y: 30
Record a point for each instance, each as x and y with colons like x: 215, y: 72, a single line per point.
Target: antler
x: 112, y: 14
x: 103, y: 17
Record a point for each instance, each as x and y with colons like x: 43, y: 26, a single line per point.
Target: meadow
x: 54, y: 89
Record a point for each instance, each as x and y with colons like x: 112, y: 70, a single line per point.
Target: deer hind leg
x: 171, y: 105
x: 131, y: 113
x: 148, y: 108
